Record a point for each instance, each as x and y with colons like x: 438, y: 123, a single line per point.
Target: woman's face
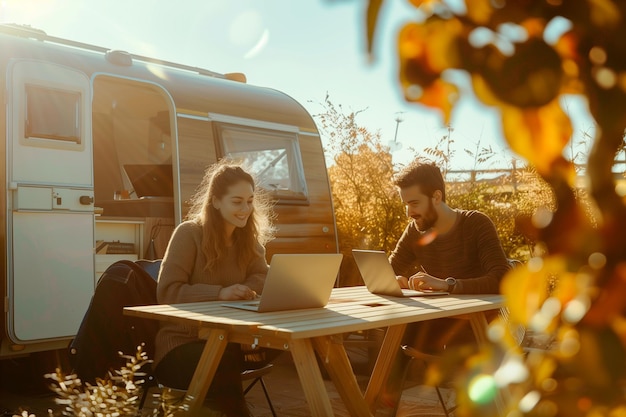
x: 236, y: 205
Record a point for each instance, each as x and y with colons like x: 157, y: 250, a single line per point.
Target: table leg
x: 216, y: 342
x: 311, y: 378
x: 336, y: 361
x: 388, y: 351
x: 480, y: 326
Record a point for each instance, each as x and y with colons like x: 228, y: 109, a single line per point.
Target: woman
x: 217, y: 254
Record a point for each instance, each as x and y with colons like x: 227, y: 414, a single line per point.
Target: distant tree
x: 522, y: 57
x: 368, y: 212
x: 516, y: 192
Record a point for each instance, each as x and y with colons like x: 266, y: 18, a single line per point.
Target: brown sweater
x: 184, y: 279
x: 471, y: 252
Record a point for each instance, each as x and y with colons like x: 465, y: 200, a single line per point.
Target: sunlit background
x: 305, y: 48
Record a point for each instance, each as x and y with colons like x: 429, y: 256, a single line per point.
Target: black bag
x: 105, y: 330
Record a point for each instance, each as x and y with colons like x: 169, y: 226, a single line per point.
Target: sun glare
x: 25, y: 11
x: 248, y: 32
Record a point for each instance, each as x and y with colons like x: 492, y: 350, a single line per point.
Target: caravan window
x: 273, y: 156
x: 52, y: 114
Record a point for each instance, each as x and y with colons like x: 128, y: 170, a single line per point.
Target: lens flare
x: 427, y: 238
x: 482, y: 389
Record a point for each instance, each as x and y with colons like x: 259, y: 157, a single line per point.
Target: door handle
x: 85, y: 200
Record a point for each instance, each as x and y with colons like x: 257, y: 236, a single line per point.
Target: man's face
x: 419, y: 207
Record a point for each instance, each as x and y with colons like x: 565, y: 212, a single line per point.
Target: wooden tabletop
x: 349, y: 309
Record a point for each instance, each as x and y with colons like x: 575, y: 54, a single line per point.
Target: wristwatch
x: 451, y: 283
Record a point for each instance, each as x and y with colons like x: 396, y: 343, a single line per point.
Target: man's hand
x: 424, y: 282
x: 402, y: 281
x: 236, y: 292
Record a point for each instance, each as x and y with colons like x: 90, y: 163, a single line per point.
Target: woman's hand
x: 236, y: 292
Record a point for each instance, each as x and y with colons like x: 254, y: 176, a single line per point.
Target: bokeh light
x: 414, y: 92
x: 529, y: 401
x: 576, y: 309
x: 542, y: 217
x: 512, y: 371
x: 620, y: 189
x: 597, y: 260
x: 482, y: 389
x: 570, y: 344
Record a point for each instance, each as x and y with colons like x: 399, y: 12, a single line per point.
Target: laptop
x: 379, y: 277
x: 295, y: 282
x: 151, y: 180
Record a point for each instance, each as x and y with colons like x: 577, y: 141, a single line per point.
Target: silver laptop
x: 151, y: 180
x: 295, y: 282
x: 379, y: 277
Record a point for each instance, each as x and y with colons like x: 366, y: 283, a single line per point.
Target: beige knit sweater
x: 183, y: 279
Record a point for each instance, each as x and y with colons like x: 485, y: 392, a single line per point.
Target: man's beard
x: 427, y: 221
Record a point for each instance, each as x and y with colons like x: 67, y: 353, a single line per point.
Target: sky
x: 304, y: 48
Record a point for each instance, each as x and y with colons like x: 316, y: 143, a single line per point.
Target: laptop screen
x: 151, y: 180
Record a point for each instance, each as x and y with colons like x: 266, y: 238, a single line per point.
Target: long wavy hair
x: 258, y: 230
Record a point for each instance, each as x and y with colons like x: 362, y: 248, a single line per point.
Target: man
x: 441, y: 249
x: 444, y: 248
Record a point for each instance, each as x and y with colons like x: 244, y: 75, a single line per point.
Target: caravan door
x: 50, y: 211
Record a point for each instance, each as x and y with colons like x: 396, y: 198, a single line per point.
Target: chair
x: 254, y: 374
x: 417, y: 355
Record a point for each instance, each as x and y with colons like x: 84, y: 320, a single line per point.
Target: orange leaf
x: 431, y: 46
x: 373, y: 9
x: 604, y: 13
x: 537, y: 134
x: 479, y: 11
x: 566, y: 47
x: 534, y: 26
x: 439, y: 95
x: 525, y: 291
x: 483, y: 92
x: 419, y: 3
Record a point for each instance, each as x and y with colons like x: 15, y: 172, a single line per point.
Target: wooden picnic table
x: 307, y: 332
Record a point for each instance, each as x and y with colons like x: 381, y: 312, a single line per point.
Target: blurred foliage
x: 522, y: 57
x: 116, y: 395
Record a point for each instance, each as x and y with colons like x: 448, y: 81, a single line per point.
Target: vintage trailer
x: 102, y: 150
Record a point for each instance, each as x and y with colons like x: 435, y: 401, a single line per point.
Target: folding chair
x: 256, y: 375
x: 416, y: 355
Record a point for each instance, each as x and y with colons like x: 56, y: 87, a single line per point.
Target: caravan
x: 101, y: 151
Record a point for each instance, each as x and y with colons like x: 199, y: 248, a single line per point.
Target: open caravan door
x: 50, y: 210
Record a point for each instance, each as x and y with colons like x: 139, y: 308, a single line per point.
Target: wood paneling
x: 196, y: 151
